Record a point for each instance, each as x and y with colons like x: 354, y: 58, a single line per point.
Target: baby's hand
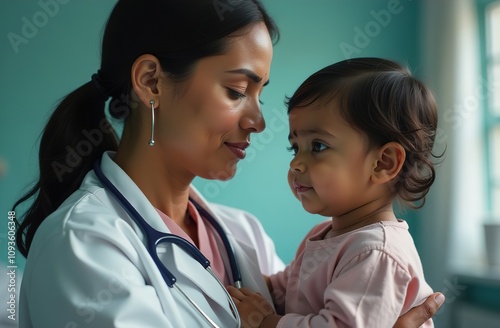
x: 252, y: 307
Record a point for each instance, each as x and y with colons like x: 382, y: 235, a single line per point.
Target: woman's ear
x: 145, y: 77
x: 388, y: 163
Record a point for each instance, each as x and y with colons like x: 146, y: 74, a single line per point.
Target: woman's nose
x: 253, y: 119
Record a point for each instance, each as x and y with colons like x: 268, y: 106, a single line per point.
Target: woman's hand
x: 420, y: 314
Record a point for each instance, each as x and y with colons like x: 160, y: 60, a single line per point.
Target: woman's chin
x: 224, y: 174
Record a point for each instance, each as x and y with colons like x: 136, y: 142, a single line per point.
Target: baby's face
x: 331, y: 168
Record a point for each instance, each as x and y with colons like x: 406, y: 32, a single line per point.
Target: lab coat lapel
x: 249, y: 268
x: 197, y: 275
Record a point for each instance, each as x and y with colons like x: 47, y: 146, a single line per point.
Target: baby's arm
x: 255, y: 311
x: 412, y: 319
x: 249, y: 302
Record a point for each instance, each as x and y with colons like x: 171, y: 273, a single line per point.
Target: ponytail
x: 75, y: 136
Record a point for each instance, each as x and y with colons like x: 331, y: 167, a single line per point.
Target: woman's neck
x: 165, y: 187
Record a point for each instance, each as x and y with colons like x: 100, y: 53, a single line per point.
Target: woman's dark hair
x: 179, y: 33
x: 382, y: 100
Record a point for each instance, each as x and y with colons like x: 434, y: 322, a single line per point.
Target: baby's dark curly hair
x: 381, y: 99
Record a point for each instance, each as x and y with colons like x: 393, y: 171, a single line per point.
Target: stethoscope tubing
x: 235, y: 269
x: 155, y: 237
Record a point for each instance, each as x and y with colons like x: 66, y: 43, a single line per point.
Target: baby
x: 361, y: 132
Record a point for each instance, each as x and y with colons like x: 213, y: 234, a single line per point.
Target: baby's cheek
x: 327, y: 188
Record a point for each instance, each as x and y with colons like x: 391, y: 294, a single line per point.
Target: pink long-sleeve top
x: 364, y: 278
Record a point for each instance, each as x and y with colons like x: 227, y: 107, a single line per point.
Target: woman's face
x: 206, y: 127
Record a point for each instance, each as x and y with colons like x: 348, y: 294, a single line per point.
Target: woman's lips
x: 238, y: 148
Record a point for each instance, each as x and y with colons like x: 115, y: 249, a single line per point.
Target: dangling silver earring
x: 152, y: 140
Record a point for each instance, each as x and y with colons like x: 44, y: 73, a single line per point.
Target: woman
x: 185, y: 76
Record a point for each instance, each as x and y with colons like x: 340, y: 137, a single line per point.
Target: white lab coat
x: 88, y: 266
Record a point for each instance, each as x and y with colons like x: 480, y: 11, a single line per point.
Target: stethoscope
x: 155, y: 237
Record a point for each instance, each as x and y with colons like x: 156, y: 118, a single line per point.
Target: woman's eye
x: 235, y: 95
x: 292, y: 149
x: 318, y: 146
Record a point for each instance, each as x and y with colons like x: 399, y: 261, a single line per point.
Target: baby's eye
x: 293, y: 148
x: 318, y: 146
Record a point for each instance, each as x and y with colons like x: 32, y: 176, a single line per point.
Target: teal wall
x: 63, y: 52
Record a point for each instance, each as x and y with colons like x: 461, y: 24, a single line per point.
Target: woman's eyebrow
x: 249, y: 73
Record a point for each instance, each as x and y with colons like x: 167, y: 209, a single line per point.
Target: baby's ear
x: 388, y: 162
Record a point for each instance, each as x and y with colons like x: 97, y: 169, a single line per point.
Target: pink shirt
x: 206, y: 237
x: 364, y: 278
